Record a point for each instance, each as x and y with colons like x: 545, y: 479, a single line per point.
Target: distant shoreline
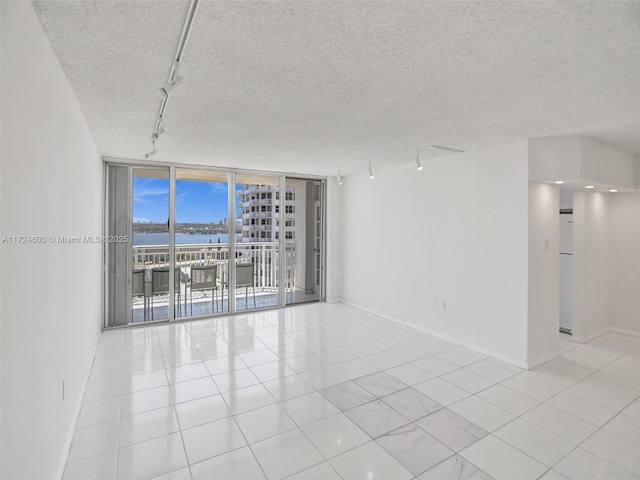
x: 181, y: 238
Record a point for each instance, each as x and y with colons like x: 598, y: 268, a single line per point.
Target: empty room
x: 320, y: 240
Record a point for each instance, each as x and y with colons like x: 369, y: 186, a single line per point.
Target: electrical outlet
x: 63, y: 392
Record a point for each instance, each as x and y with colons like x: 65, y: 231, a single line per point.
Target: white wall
x: 544, y: 273
x: 554, y: 158
x: 51, y: 293
x: 456, y: 232
x: 1, y: 233
x: 580, y: 159
x: 334, y: 262
x: 624, y: 266
x: 608, y: 165
x: 591, y: 252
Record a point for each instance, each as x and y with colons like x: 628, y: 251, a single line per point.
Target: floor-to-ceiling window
x: 258, y: 261
x: 202, y: 239
x: 203, y: 242
x: 150, y: 244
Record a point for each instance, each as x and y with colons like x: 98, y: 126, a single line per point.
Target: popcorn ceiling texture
x: 310, y: 87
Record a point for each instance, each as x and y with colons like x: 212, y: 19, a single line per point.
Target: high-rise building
x: 260, y: 213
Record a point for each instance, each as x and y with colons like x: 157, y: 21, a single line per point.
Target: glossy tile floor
x: 202, y: 305
x: 325, y: 391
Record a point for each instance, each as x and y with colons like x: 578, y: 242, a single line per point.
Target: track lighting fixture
x: 159, y: 130
x: 386, y: 161
x: 171, y: 86
x: 418, y: 160
x: 152, y: 152
x: 175, y: 80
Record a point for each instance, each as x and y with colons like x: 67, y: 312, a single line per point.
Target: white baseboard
x: 593, y: 336
x: 626, y: 331
x: 448, y: 338
x: 544, y: 359
x: 76, y: 414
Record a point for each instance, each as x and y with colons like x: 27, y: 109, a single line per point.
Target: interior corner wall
x: 552, y: 158
x: 624, y: 261
x: 591, y: 252
x: 1, y: 249
x: 608, y: 165
x: 544, y: 273
x: 444, y: 249
x: 51, y: 291
x: 334, y: 241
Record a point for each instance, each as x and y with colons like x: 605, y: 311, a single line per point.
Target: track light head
x: 339, y: 178
x: 173, y: 84
x: 152, y: 152
x: 159, y: 130
x: 170, y: 86
x: 370, y: 172
x: 418, y: 163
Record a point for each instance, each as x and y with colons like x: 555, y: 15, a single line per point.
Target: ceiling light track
x: 175, y: 80
x: 368, y: 166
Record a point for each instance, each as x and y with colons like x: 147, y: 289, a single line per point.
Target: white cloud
x: 143, y: 195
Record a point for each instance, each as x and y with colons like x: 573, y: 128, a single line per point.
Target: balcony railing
x: 264, y: 255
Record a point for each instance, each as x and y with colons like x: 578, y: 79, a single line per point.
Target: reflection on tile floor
x: 202, y: 304
x: 326, y: 391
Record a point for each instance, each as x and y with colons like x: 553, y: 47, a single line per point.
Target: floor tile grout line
x: 405, y: 362
x: 575, y: 446
x: 596, y: 431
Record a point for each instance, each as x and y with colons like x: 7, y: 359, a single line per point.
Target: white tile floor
x: 325, y: 391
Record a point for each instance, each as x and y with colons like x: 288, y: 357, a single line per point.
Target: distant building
x: 260, y: 214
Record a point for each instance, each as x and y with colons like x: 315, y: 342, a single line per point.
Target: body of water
x: 181, y: 238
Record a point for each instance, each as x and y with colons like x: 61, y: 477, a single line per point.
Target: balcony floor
x: 202, y: 304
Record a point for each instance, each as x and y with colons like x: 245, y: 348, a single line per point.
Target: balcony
x: 264, y: 256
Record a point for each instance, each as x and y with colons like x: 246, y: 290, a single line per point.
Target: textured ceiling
x: 310, y: 87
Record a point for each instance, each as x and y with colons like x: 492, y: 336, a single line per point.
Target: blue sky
x: 196, y: 201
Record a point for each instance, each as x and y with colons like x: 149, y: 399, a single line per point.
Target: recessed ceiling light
x: 589, y: 186
x: 613, y: 190
x: 559, y: 182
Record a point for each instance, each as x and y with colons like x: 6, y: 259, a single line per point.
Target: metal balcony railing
x: 263, y: 254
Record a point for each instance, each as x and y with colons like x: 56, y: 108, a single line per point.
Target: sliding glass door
x: 304, y: 239
x: 150, y: 244
x: 203, y: 242
x: 257, y: 258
